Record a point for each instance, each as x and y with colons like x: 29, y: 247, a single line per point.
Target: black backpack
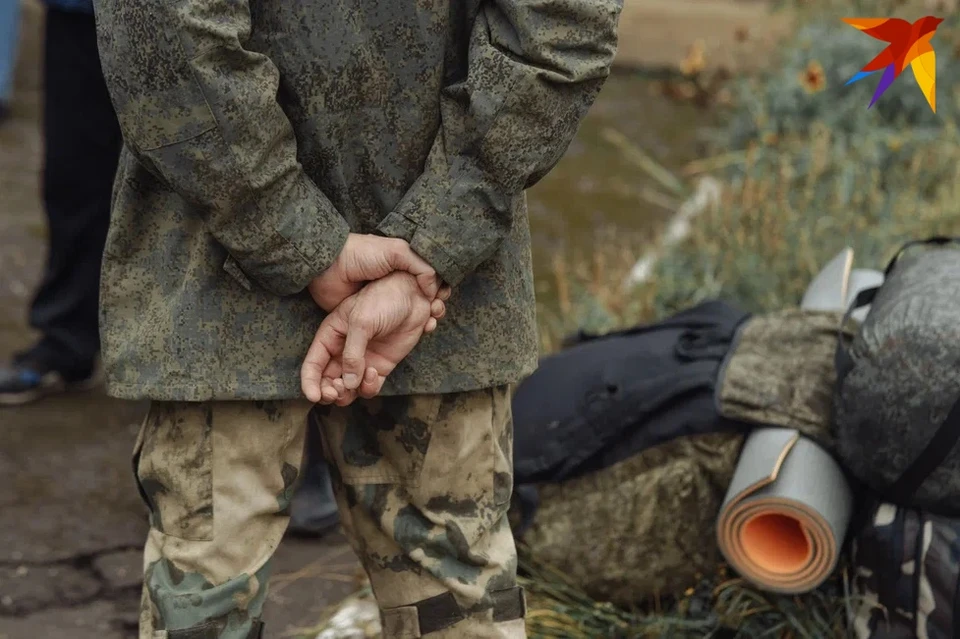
x: 606, y: 398
x: 897, y: 404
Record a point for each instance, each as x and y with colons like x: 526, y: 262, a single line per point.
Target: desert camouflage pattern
x: 905, y: 378
x: 915, y: 598
x: 423, y: 484
x: 217, y: 478
x: 780, y: 372
x: 660, y: 506
x: 258, y: 134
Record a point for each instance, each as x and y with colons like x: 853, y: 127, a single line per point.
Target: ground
x: 71, y: 523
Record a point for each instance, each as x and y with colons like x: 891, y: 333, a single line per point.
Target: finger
x: 354, y: 354
x: 334, y: 370
x: 326, y: 344
x: 381, y: 380
x: 348, y: 398
x: 328, y: 393
x: 429, y: 284
x: 444, y: 293
x: 371, y: 385
x: 431, y: 325
x: 438, y: 309
x: 339, y: 387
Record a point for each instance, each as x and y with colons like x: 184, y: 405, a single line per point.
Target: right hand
x: 365, y: 337
x: 367, y: 258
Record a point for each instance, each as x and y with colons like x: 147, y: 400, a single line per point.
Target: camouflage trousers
x: 423, y: 485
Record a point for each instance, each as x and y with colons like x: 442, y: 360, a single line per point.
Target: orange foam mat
x: 786, y: 512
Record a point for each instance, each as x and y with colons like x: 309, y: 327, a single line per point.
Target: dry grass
x: 720, y: 607
x: 789, y: 205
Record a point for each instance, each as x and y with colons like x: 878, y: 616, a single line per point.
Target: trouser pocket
x: 380, y: 441
x: 173, y: 466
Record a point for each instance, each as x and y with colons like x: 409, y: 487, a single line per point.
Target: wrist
x: 328, y: 291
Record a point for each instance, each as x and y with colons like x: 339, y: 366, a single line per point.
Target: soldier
x: 354, y: 166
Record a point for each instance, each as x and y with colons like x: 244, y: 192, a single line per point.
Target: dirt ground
x: 71, y: 523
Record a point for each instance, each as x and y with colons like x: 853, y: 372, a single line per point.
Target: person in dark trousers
x: 81, y: 149
x: 82, y: 143
x: 9, y: 30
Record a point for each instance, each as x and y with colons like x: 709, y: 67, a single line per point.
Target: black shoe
x: 313, y: 509
x: 26, y: 381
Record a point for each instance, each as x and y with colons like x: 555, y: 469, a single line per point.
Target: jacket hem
x: 275, y: 390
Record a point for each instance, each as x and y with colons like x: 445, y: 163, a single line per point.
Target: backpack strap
x: 930, y: 458
x: 843, y: 361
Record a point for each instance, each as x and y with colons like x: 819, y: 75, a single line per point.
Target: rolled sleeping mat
x: 785, y: 516
x: 837, y: 284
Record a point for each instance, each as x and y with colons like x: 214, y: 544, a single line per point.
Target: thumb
x: 402, y: 258
x: 429, y: 284
x: 354, y: 355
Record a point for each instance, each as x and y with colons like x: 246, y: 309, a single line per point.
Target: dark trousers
x: 81, y: 149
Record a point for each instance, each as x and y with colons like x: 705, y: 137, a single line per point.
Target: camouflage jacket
x: 258, y: 133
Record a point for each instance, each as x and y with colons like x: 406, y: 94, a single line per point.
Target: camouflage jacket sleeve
x: 534, y: 69
x: 200, y: 112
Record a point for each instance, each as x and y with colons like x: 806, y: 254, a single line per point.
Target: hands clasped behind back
x: 381, y: 298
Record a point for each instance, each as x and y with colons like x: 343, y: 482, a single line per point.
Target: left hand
x: 365, y: 337
x: 367, y: 258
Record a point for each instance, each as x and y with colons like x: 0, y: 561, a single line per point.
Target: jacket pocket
x: 173, y: 462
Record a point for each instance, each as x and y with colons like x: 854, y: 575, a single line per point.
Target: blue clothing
x: 9, y: 39
x: 81, y: 6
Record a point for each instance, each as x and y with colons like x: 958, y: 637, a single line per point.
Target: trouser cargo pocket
x: 173, y: 465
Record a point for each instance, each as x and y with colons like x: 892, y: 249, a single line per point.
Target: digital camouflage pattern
x: 906, y: 576
x: 905, y: 379
x: 780, y: 372
x: 257, y: 134
x: 423, y: 484
x: 661, y: 505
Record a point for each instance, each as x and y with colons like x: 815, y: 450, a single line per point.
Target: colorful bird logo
x: 908, y: 44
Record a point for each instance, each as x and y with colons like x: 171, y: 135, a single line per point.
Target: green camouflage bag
x: 780, y: 372
x: 906, y: 578
x: 641, y: 527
